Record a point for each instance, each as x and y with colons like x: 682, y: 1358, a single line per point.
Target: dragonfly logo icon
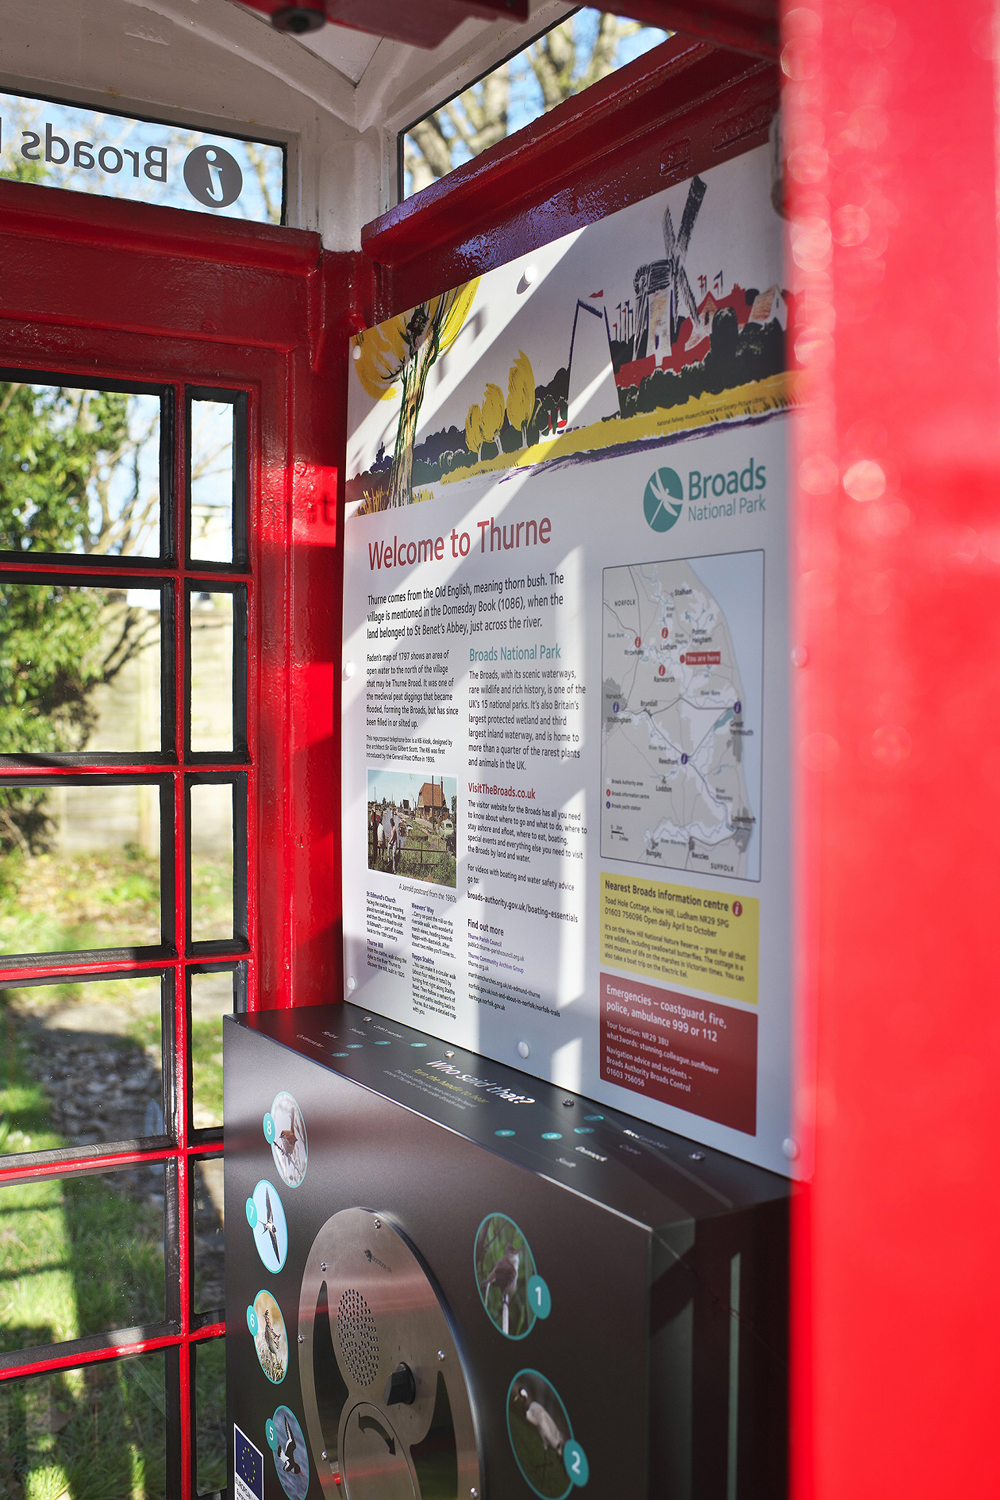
x: 663, y: 500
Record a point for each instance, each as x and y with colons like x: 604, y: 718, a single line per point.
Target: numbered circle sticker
x: 270, y: 1338
x: 505, y: 1268
x: 550, y: 1459
x: 285, y: 1133
x: 291, y: 1459
x: 266, y: 1218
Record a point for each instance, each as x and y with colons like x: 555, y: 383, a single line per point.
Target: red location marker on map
x: 737, y: 908
x: 638, y: 640
x: 683, y: 661
x: 662, y: 670
x: 665, y: 632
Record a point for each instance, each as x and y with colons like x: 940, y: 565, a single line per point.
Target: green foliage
x: 60, y: 453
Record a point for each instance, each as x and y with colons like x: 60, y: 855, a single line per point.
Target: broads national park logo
x: 710, y: 496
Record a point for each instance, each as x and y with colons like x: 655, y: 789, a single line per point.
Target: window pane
x: 210, y: 1415
x: 80, y: 1063
x: 211, y: 861
x: 86, y: 1433
x: 212, y: 478
x: 79, y: 471
x: 80, y: 1255
x: 211, y: 625
x: 79, y: 669
x: 212, y: 997
x: 79, y: 867
x: 209, y: 1236
x: 564, y: 61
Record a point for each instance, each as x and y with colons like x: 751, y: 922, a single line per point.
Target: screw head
x: 697, y: 1155
x: 322, y: 1265
x: 378, y: 1223
x: 323, y: 1454
x: 440, y: 1355
x: 302, y: 1338
x: 568, y: 1103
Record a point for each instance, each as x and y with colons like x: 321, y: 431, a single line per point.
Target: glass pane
x: 210, y: 1415
x: 563, y: 62
x: 86, y: 1434
x: 116, y: 156
x: 80, y: 1255
x: 212, y: 997
x: 79, y: 669
x: 209, y: 1235
x: 79, y: 867
x: 212, y: 430
x: 211, y: 626
x: 79, y: 471
x: 80, y: 1063
x: 211, y: 861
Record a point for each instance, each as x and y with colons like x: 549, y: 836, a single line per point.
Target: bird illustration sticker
x: 269, y: 1336
x: 287, y: 1443
x: 285, y: 1133
x: 266, y: 1218
x: 550, y: 1459
x: 512, y: 1292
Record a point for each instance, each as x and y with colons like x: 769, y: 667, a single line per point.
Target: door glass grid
x: 124, y: 797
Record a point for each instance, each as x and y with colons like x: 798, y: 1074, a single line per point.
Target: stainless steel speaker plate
x: 367, y: 1306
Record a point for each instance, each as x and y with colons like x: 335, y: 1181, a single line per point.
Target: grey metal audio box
x: 447, y: 1280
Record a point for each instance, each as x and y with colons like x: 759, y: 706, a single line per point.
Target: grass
x: 84, y: 1254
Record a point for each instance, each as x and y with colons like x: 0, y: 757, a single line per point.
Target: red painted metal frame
x: 679, y: 110
x: 107, y: 290
x: 891, y: 130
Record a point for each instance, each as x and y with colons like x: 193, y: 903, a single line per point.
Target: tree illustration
x: 401, y: 352
x: 474, y: 428
x: 493, y: 413
x: 521, y: 394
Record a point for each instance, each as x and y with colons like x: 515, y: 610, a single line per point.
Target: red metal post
x: 891, y: 122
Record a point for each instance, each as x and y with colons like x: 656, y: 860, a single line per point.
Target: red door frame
x: 102, y: 289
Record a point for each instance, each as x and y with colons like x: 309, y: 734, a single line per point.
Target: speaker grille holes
x: 358, y: 1336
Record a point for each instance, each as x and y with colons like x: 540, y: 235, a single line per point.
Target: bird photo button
x: 511, y: 1290
x: 550, y: 1459
x: 266, y: 1218
x: 269, y: 1336
x: 285, y: 1133
x: 291, y: 1460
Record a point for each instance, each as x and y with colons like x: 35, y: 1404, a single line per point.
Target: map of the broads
x: 681, y: 722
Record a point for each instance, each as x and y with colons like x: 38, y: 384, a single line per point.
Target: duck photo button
x: 511, y: 1290
x: 550, y: 1459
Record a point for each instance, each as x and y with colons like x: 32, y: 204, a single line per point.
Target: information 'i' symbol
x: 213, y: 176
x: 662, y: 501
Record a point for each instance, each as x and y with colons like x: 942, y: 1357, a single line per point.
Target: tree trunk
x: 413, y: 381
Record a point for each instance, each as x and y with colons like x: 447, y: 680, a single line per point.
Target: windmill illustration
x: 663, y: 284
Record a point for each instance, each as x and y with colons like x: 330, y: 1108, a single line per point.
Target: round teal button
x: 539, y: 1297
x: 551, y: 1135
x: 503, y: 1132
x: 583, y: 1130
x: 576, y: 1463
